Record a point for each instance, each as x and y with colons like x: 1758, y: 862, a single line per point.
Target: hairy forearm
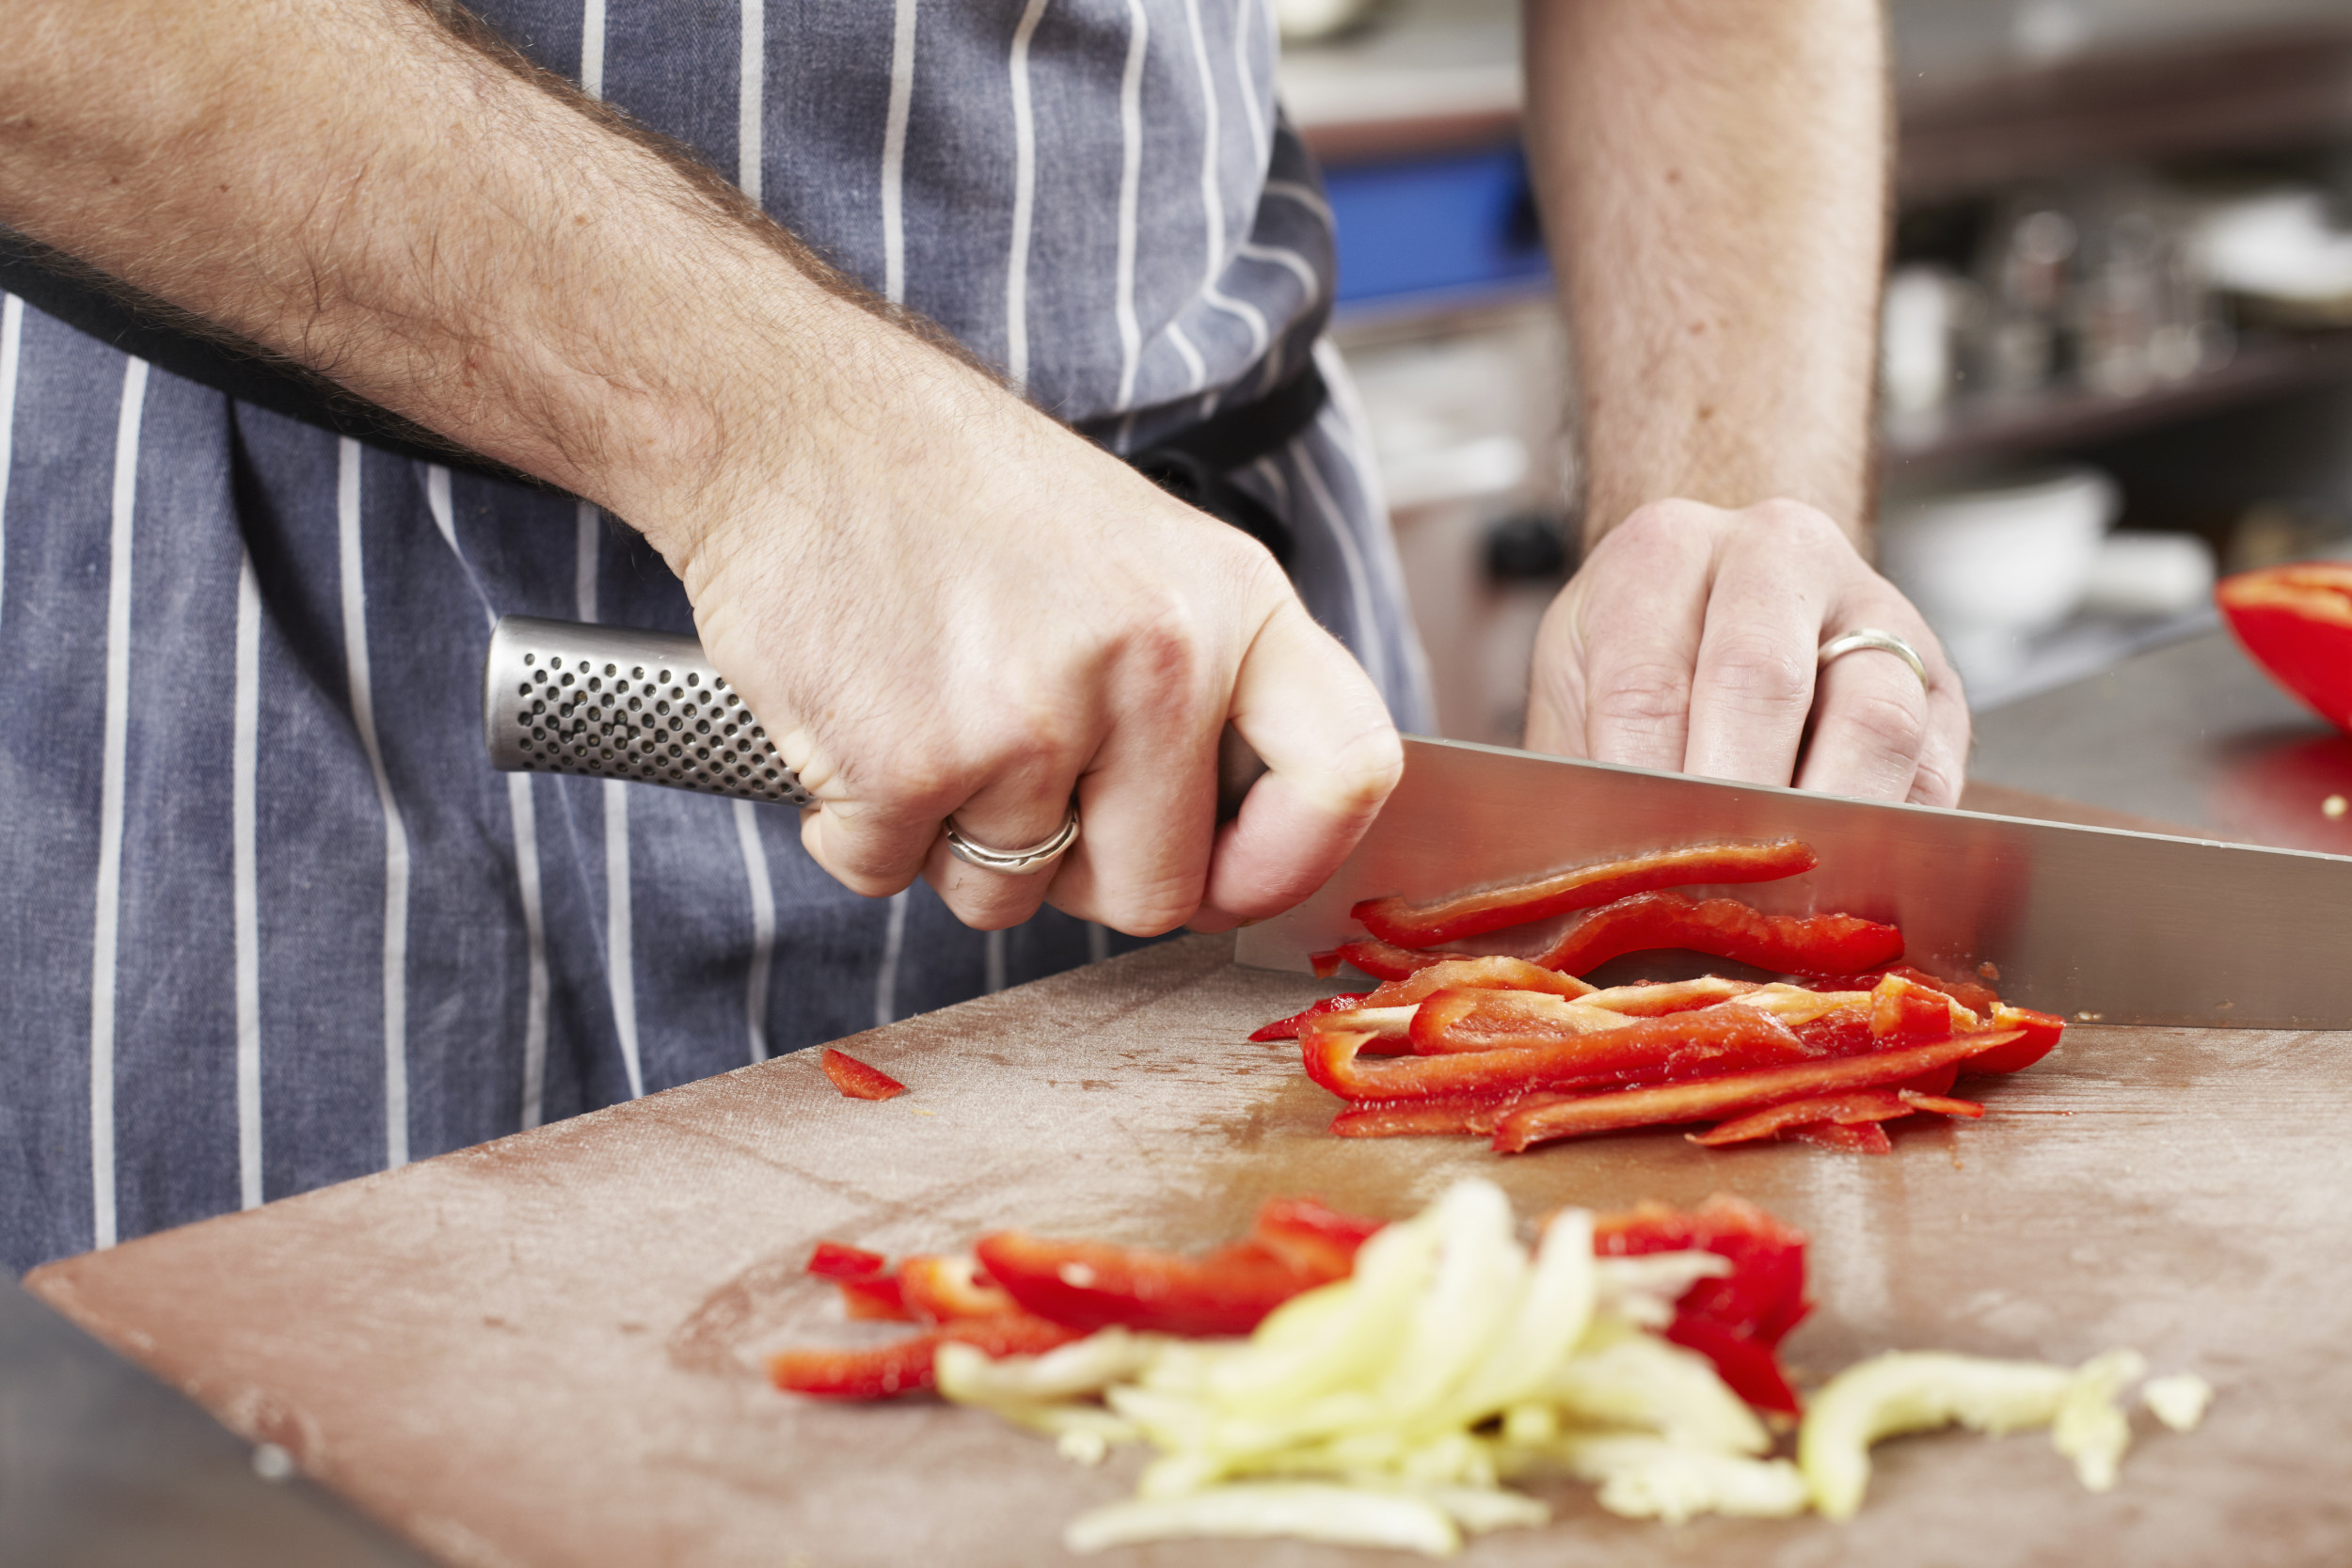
x: 1712, y: 176
x: 375, y: 194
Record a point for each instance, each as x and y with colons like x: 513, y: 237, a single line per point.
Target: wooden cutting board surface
x: 545, y: 1350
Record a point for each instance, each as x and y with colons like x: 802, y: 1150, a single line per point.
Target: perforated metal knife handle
x: 614, y: 702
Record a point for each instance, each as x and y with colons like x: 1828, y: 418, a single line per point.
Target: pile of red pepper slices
x: 1016, y: 1293
x: 1522, y: 1051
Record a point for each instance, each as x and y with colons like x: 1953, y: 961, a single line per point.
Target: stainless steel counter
x: 2193, y: 734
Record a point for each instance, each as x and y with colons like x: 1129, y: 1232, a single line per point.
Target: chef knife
x: 2093, y: 923
x: 2090, y: 923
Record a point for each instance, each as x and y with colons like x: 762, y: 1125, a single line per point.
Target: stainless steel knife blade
x: 2089, y: 923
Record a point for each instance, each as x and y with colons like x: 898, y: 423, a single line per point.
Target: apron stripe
x: 1023, y: 200
x: 244, y: 898
x: 11, y: 346
x: 591, y: 48
x: 751, y: 92
x: 1130, y: 186
x: 763, y: 927
x: 895, y: 153
x: 357, y: 672
x: 114, y: 750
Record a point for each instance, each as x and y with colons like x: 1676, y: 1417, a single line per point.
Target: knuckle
x: 1641, y: 695
x: 1892, y: 723
x: 1761, y: 672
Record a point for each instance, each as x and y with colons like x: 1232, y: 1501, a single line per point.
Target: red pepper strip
x: 1451, y: 1022
x: 833, y: 1261
x: 1936, y: 1081
x: 1980, y: 1000
x: 1943, y: 1105
x: 1385, y: 960
x: 878, y: 1300
x: 1287, y: 1028
x: 944, y: 1289
x: 1406, y: 1118
x: 1749, y: 1368
x: 904, y: 1365
x: 1735, y: 1320
x: 1902, y: 1013
x: 1324, y: 964
x: 1711, y: 1039
x: 1724, y: 928
x: 1655, y: 999
x: 1490, y: 973
x: 855, y: 1080
x: 1867, y: 1138
x: 1718, y: 1099
x: 1471, y: 914
x: 2037, y: 1035
x: 1844, y: 1109
x: 1091, y: 1285
x: 1312, y: 1237
x: 2296, y: 621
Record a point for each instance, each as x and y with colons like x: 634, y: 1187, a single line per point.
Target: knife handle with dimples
x: 647, y: 706
x: 617, y: 702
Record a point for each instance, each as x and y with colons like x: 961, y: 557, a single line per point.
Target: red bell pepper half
x: 855, y: 1080
x: 904, y: 1365
x: 2296, y: 621
x: 1725, y: 928
x: 1738, y: 1321
x: 1544, y: 1119
x: 1471, y: 914
x: 1709, y: 1039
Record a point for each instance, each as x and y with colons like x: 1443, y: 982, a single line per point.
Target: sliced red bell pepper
x: 1979, y: 999
x: 1724, y: 928
x: 2296, y: 621
x: 1471, y: 914
x: 1091, y: 1285
x: 2038, y: 1035
x: 1868, y: 1137
x: 833, y: 1261
x: 880, y: 1299
x: 1905, y: 1013
x: 855, y: 1080
x: 1384, y: 961
x: 1739, y: 1319
x: 946, y: 1287
x: 1486, y: 974
x: 1850, y: 1109
x: 1943, y: 1105
x: 1453, y: 1021
x: 1287, y: 1028
x: 904, y: 1365
x: 1544, y: 1120
x: 1709, y: 1039
x: 1313, y: 1237
x: 1657, y: 998
x: 1406, y: 1118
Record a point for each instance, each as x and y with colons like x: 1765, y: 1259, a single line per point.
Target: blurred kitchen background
x: 2117, y: 338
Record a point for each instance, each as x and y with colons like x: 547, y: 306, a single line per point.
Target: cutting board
x: 545, y: 1350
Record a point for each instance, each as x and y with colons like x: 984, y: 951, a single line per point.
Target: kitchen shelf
x: 2071, y: 417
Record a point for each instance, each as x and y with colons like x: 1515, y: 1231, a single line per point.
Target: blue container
x: 1436, y: 230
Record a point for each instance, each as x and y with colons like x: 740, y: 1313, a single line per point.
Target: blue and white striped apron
x: 271, y: 921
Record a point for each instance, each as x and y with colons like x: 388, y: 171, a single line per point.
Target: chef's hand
x: 947, y: 604
x: 1688, y: 641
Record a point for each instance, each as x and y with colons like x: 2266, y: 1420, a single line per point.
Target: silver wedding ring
x: 1885, y: 641
x: 1013, y: 862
